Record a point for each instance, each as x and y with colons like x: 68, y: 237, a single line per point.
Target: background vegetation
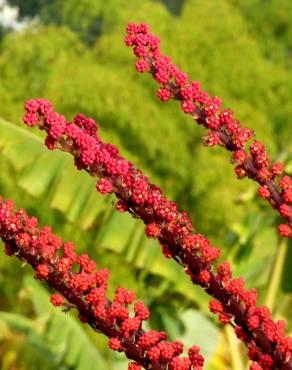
x: 72, y: 52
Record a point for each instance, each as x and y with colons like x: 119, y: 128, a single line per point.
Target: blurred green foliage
x: 72, y: 52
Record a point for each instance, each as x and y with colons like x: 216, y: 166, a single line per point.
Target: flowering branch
x: 85, y: 290
x: 224, y: 129
x: 265, y: 339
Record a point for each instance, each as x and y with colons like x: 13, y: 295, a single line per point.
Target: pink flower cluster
x: 76, y: 278
x: 268, y: 346
x: 223, y: 128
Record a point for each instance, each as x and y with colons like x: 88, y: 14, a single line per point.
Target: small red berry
x: 263, y: 192
x: 57, y: 300
x: 164, y: 94
x: 153, y: 230
x: 287, y: 195
x: 104, y: 186
x: 142, y: 66
x: 188, y: 106
x: 285, y: 230
x: 114, y: 344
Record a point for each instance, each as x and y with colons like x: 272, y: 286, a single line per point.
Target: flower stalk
x: 224, y: 129
x: 268, y: 347
x: 84, y: 288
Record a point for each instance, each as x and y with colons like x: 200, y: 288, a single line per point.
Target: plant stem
x: 276, y: 273
x: 233, y: 344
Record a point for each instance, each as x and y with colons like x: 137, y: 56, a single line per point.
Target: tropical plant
x: 240, y: 59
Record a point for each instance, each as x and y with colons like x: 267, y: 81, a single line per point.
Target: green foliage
x: 28, y: 7
x: 32, y: 55
x: 54, y: 338
x: 272, y: 20
x: 83, y: 17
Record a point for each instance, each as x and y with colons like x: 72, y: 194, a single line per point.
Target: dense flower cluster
x: 265, y: 339
x: 223, y: 128
x: 83, y: 287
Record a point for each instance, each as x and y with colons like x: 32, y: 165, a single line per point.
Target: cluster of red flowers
x: 224, y: 129
x: 265, y: 339
x: 76, y: 278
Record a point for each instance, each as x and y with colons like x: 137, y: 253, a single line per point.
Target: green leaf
x: 52, y: 174
x: 197, y: 329
x: 17, y: 322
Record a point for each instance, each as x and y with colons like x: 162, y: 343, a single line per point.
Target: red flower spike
x: 222, y: 127
x: 86, y: 291
x: 177, y: 238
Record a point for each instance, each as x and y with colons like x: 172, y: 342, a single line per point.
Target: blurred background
x: 72, y: 52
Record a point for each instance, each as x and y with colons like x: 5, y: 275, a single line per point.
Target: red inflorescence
x: 86, y: 290
x: 224, y: 129
x: 175, y: 232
